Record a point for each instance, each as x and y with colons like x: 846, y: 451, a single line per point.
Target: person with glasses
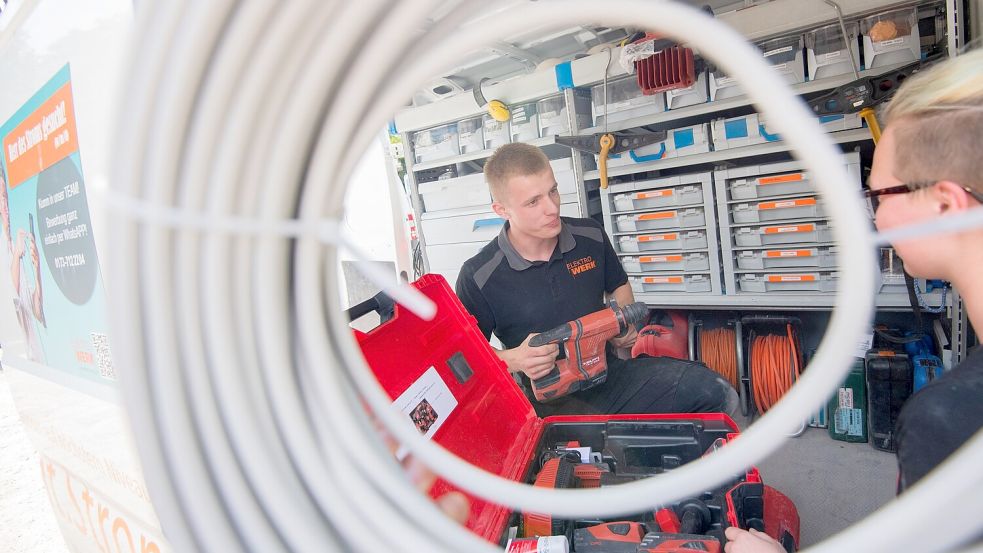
x: 928, y: 166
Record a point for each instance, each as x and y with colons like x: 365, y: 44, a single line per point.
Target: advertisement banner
x: 48, y: 249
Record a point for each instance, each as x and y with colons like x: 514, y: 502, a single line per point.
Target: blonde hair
x: 937, y: 120
x: 513, y: 160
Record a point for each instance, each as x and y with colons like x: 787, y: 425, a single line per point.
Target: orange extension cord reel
x: 775, y: 362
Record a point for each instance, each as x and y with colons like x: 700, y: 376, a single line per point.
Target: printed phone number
x: 74, y: 260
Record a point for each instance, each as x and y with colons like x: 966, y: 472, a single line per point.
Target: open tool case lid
x: 445, y: 376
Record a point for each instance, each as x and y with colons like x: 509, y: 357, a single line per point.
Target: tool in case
x: 448, y: 381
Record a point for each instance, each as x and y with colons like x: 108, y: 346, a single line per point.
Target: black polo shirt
x: 513, y: 297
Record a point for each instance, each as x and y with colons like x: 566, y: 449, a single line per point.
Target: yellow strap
x: 871, y: 118
x: 607, y: 141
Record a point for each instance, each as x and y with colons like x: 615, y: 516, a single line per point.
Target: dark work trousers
x: 648, y: 385
x: 939, y: 418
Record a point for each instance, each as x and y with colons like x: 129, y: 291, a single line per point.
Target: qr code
x: 104, y: 358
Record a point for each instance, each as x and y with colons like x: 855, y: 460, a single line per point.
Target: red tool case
x: 444, y: 375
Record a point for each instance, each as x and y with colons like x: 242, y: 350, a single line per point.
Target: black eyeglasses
x: 905, y: 188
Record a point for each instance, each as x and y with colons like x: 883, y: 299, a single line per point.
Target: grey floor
x: 834, y: 484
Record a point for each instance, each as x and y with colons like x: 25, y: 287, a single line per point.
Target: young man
x: 928, y: 165
x: 544, y: 270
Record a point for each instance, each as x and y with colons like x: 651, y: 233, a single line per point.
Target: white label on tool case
x: 891, y: 42
x: 849, y: 422
x: 856, y: 426
x: 863, y: 345
x: 845, y: 398
x: 829, y: 56
x: 777, y: 51
x: 428, y: 402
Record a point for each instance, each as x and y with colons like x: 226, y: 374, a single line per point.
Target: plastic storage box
x: 553, y: 113
x: 891, y: 37
x: 687, y: 240
x: 821, y: 257
x: 624, y: 101
x: 690, y: 194
x: 770, y: 185
x: 682, y: 261
x: 565, y: 178
x: 833, y: 123
x: 687, y: 141
x: 495, y: 133
x: 691, y: 284
x: 572, y: 209
x: 776, y: 210
x: 662, y: 220
x: 436, y: 143
x: 645, y: 154
x: 741, y: 131
x: 466, y: 191
x: 524, y: 123
x: 821, y: 281
x: 451, y: 257
x: 471, y: 135
x: 695, y: 94
x: 785, y: 55
x: 750, y: 237
x: 827, y: 54
x: 461, y: 225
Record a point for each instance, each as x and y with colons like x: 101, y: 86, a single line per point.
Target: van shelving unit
x: 719, y: 291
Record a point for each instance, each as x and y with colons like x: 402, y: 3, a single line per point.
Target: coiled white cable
x: 249, y: 405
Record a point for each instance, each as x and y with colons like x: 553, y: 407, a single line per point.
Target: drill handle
x: 550, y: 379
x: 556, y: 335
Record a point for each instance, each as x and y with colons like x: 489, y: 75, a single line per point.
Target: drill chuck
x: 632, y: 314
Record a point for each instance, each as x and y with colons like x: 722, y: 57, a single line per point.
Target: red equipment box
x: 447, y: 379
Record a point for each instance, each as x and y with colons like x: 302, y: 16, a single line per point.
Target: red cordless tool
x: 581, y: 363
x: 610, y: 537
x: 658, y: 542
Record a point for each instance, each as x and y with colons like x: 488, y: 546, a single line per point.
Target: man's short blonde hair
x: 937, y: 121
x: 513, y: 160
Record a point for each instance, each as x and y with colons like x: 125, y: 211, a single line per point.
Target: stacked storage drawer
x: 776, y: 237
x: 625, y: 100
x: 747, y: 130
x: 663, y: 231
x: 458, y: 220
x: 684, y: 141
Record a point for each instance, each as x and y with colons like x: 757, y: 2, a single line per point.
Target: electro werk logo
x: 581, y: 265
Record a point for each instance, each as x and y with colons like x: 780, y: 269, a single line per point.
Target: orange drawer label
x: 661, y: 258
x: 885, y: 353
x: 791, y: 278
x: 654, y: 194
x: 789, y: 253
x: 787, y: 203
x: 663, y: 280
x: 793, y: 228
x: 657, y: 216
x: 795, y: 177
x: 657, y: 237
